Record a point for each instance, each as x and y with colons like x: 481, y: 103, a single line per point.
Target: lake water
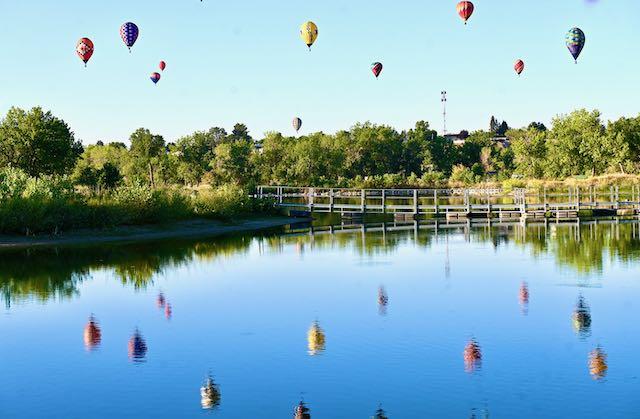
x: 407, y: 321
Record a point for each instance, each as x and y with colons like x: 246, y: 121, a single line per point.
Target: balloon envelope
x: 519, y: 66
x: 297, y: 124
x: 309, y: 33
x: 155, y: 77
x: 376, y: 68
x: 162, y: 65
x: 465, y: 10
x: 575, y: 42
x: 129, y: 33
x: 84, y: 49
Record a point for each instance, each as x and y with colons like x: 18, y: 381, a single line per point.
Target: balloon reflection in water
x: 137, y: 347
x: 383, y: 301
x: 209, y: 394
x: 161, y: 301
x: 316, y: 339
x: 380, y: 414
x: 92, y: 334
x: 168, y: 311
x: 301, y: 411
x: 524, y: 298
x: 472, y: 356
x: 581, y: 318
x: 598, y: 364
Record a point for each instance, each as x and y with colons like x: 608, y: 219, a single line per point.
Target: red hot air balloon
x: 92, y: 334
x: 162, y: 65
x: 155, y: 78
x: 465, y: 10
x: 519, y: 66
x: 472, y: 356
x: 84, y: 49
x: 376, y: 69
x: 168, y: 311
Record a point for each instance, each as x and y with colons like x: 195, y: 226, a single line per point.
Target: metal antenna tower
x: 444, y: 111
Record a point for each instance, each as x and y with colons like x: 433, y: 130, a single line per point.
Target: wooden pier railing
x: 457, y: 202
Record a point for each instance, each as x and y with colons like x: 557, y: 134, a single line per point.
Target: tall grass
x: 51, y: 205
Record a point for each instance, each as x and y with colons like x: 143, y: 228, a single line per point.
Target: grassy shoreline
x: 186, y: 229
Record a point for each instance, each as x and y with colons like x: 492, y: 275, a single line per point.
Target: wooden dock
x: 456, y: 203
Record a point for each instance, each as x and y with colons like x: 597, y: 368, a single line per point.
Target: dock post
x: 384, y: 201
x: 311, y: 196
x: 467, y: 201
x: 610, y: 196
x: 260, y: 191
x: 280, y: 195
x: 545, y: 204
x: 363, y: 203
x: 331, y: 200
x: 416, y: 210
x: 617, y: 197
x: 435, y: 201
x: 578, y: 197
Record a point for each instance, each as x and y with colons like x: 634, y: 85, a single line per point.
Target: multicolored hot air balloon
x: 92, y: 334
x: 209, y: 394
x: 297, y: 124
x: 162, y: 65
x: 301, y: 411
x: 472, y: 356
x: 309, y: 33
x: 575, y: 42
x: 465, y: 10
x: 155, y: 78
x: 376, y: 69
x: 84, y: 49
x: 383, y: 301
x: 598, y: 364
x: 137, y: 347
x: 519, y: 66
x: 129, y: 33
x: 523, y: 297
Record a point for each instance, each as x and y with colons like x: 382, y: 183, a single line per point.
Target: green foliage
x: 37, y: 142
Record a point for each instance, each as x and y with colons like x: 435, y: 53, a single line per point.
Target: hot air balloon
x: 376, y: 69
x: 155, y: 78
x: 301, y: 411
x: 380, y: 414
x: 519, y: 66
x: 598, y: 364
x: 581, y: 318
x: 472, y: 356
x: 209, y: 394
x: 297, y: 124
x: 137, y: 347
x: 575, y: 42
x: 92, y: 334
x: 162, y: 65
x: 465, y: 10
x: 129, y: 33
x: 168, y: 311
x: 309, y: 33
x: 160, y: 301
x: 315, y: 339
x: 84, y: 49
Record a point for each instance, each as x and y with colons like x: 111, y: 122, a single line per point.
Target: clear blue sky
x: 231, y: 61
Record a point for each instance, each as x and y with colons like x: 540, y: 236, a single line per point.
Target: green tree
x: 195, y: 152
x: 530, y: 151
x: 624, y: 138
x: 240, y: 133
x: 37, y: 142
x: 146, y: 151
x: 233, y: 163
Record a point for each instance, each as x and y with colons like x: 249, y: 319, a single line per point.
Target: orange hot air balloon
x: 92, y: 334
x: 519, y: 66
x: 465, y: 10
x: 472, y: 356
x: 598, y: 364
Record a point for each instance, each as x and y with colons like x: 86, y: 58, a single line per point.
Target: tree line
x: 579, y: 143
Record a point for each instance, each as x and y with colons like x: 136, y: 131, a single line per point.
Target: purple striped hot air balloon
x: 129, y: 33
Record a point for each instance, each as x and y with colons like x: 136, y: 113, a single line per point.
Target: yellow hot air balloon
x: 316, y: 339
x: 309, y: 33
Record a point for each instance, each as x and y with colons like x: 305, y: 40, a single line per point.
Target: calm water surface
x: 410, y: 322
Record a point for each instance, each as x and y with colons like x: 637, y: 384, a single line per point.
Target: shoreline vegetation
x: 50, y: 183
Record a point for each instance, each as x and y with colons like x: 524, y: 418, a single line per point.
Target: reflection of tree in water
x: 209, y: 394
x: 598, y: 364
x: 316, y: 339
x: 301, y: 411
x: 44, y: 274
x: 581, y: 318
x: 92, y: 334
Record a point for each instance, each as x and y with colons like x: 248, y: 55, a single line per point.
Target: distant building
x: 459, y: 138
x: 501, y: 141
